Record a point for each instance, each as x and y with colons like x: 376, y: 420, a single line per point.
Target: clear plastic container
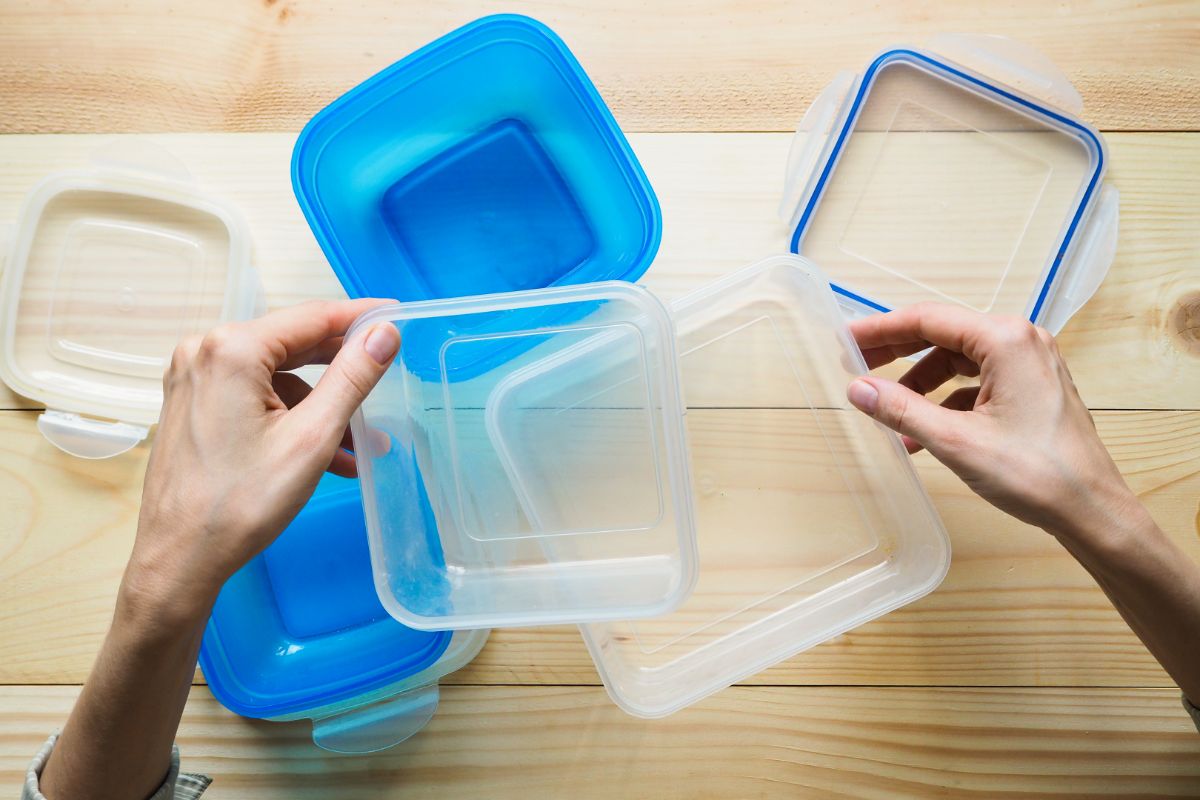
x: 109, y: 268
x: 958, y: 174
x: 809, y: 516
x: 452, y: 545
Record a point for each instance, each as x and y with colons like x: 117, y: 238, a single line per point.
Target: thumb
x: 351, y: 376
x: 903, y: 410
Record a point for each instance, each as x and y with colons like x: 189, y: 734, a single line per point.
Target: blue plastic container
x: 484, y: 162
x: 301, y: 628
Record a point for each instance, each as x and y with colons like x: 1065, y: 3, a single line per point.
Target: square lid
x: 109, y: 268
x: 810, y: 518
x: 484, y: 162
x: 925, y: 180
x: 430, y: 426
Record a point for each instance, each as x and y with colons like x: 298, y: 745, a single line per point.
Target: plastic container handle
x: 89, y: 438
x: 811, y: 135
x: 377, y: 726
x: 1015, y: 63
x: 1090, y: 261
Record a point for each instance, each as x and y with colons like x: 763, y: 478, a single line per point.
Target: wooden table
x: 1016, y: 678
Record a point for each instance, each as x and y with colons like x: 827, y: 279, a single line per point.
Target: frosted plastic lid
x: 109, y: 267
x: 810, y: 518
x: 452, y: 544
x: 924, y: 179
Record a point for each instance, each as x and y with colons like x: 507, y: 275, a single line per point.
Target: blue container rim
x: 315, y: 135
x: 234, y: 694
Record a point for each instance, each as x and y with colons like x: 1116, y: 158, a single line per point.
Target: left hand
x: 242, y: 443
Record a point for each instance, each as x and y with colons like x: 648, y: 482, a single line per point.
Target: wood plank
x: 501, y: 742
x: 1014, y: 610
x: 719, y: 193
x: 728, y: 65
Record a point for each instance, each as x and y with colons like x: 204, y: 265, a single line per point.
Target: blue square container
x: 484, y: 162
x: 300, y: 628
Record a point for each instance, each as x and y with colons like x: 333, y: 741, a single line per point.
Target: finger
x: 290, y: 388
x: 878, y: 356
x: 952, y: 327
x: 350, y: 377
x: 343, y: 465
x: 298, y: 329
x: 904, y: 411
x: 322, y: 353
x: 962, y: 399
x: 937, y: 367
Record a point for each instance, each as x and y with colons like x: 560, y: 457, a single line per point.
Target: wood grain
x: 719, y: 194
x: 723, y: 65
x: 1014, y: 610
x: 501, y: 742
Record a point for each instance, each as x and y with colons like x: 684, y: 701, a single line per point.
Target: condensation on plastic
x: 99, y: 310
x: 1002, y: 62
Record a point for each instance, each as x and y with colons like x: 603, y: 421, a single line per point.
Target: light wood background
x: 1014, y: 679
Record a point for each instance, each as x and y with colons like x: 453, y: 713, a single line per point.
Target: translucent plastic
x: 484, y: 162
x: 936, y: 184
x: 108, y: 270
x: 809, y: 516
x: 451, y: 543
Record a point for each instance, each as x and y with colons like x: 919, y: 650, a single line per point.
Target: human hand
x: 1022, y: 439
x: 241, y: 442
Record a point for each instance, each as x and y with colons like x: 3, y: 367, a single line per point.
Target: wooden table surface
x: 1014, y: 679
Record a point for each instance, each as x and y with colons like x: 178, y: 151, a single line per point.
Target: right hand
x: 1022, y: 439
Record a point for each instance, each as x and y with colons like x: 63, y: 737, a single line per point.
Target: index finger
x: 295, y: 330
x: 923, y: 325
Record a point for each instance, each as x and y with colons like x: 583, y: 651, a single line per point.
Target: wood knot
x: 1183, y: 323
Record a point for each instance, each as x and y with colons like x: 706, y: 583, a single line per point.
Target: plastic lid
x: 109, y: 268
x: 613, y: 536
x: 810, y: 518
x: 484, y: 162
x: 926, y: 180
x: 299, y: 631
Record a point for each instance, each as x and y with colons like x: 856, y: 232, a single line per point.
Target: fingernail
x: 863, y: 396
x: 382, y: 342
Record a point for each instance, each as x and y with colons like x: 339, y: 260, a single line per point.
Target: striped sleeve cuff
x: 176, y: 786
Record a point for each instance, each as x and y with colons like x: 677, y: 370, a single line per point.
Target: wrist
x: 159, y: 596
x: 1109, y: 523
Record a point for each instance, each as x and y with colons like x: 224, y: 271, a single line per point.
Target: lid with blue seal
x: 958, y: 173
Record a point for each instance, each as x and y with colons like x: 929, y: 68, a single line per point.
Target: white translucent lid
x: 109, y: 267
x: 958, y: 174
x: 810, y: 518
x: 453, y: 542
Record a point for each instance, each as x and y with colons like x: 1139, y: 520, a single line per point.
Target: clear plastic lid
x: 453, y: 543
x: 923, y: 179
x: 109, y: 267
x: 810, y: 518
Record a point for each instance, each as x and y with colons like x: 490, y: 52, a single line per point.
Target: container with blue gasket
x: 299, y: 633
x: 958, y: 173
x: 484, y: 162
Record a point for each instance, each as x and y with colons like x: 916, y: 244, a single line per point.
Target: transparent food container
x: 958, y: 173
x: 110, y: 266
x: 809, y: 516
x: 452, y: 544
